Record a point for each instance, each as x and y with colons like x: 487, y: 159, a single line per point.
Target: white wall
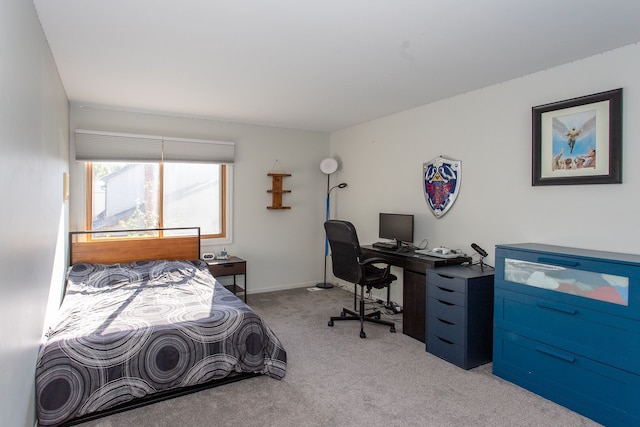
x: 34, y: 142
x: 283, y: 248
x: 489, y: 130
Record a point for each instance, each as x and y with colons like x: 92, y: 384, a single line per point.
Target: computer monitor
x: 398, y: 227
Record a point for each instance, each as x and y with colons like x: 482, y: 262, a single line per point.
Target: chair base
x: 373, y: 317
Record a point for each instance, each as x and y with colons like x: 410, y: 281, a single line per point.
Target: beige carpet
x: 334, y: 378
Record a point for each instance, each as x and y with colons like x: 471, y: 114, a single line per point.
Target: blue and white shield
x: 441, y: 184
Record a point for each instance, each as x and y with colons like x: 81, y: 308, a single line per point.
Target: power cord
x: 420, y: 246
x: 387, y: 312
x: 381, y: 307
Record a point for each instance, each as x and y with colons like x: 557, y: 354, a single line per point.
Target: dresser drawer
x: 446, y: 311
x: 455, y: 333
x: 605, y: 285
x: 600, y: 336
x: 597, y: 390
x: 446, y: 295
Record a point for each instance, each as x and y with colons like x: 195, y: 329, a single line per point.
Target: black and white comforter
x: 127, y: 331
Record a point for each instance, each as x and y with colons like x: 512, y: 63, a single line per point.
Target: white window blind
x: 111, y: 146
x: 195, y: 150
x: 95, y: 146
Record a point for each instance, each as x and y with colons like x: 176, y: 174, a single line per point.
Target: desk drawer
x: 606, y: 394
x: 228, y: 269
x: 454, y: 333
x: 446, y: 311
x: 415, y: 266
x: 443, y: 281
x: 446, y: 350
x: 445, y: 295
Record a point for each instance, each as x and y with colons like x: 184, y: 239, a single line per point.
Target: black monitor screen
x: 396, y: 227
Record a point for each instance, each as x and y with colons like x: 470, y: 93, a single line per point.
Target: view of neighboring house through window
x: 152, y: 195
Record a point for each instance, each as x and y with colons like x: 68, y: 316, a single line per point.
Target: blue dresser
x: 567, y: 327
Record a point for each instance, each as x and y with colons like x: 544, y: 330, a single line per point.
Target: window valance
x: 111, y: 146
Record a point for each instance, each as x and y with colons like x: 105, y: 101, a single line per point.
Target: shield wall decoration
x: 441, y: 184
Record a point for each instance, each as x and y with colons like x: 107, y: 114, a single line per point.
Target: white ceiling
x: 314, y: 64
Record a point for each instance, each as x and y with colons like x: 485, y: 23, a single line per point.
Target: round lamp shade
x: 329, y: 165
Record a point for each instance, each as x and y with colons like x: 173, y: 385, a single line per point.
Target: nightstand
x: 233, y: 266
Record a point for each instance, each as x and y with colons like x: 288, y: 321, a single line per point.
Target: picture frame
x: 578, y: 141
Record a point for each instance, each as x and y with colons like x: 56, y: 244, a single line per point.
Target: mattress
x: 126, y: 331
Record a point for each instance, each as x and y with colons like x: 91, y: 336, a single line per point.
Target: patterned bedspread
x: 129, y: 330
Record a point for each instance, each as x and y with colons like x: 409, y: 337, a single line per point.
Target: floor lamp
x: 328, y: 166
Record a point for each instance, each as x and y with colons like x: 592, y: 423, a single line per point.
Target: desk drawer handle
x: 561, y: 262
x: 561, y: 309
x: 445, y: 289
x: 445, y: 341
x: 445, y: 276
x: 445, y: 302
x: 445, y: 321
x: 556, y: 354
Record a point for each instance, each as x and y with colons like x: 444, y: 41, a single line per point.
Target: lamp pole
x: 324, y: 284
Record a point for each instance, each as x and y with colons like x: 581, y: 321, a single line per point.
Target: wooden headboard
x: 83, y: 247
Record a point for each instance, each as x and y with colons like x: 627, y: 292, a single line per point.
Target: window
x: 123, y: 195
x: 151, y: 181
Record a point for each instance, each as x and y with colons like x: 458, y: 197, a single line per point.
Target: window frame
x: 225, y: 170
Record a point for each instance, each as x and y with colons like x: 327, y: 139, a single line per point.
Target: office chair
x: 348, y: 264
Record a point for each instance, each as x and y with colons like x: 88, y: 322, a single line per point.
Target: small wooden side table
x: 233, y: 266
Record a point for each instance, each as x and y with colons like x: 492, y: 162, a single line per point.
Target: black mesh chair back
x: 349, y: 265
x: 345, y: 250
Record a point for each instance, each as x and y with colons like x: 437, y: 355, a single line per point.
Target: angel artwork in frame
x: 578, y: 141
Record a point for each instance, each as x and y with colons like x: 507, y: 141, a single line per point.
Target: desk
x: 414, y: 289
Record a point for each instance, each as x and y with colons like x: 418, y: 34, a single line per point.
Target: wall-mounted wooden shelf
x: 277, y: 191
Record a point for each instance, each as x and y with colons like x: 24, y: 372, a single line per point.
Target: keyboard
x: 384, y: 245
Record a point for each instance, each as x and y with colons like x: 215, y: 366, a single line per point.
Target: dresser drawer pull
x: 556, y: 354
x: 561, y: 262
x: 445, y: 321
x: 445, y: 289
x: 561, y: 309
x: 444, y: 276
x: 445, y: 302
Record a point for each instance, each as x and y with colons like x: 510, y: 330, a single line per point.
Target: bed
x: 134, y: 329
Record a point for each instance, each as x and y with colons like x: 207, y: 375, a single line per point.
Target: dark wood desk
x: 414, y: 289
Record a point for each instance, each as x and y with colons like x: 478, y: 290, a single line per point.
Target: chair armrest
x: 374, y: 260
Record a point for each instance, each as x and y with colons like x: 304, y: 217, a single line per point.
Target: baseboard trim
x: 282, y: 288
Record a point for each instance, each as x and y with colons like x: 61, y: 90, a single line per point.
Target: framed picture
x: 578, y: 141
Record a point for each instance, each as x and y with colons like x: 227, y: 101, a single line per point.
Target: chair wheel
x: 330, y: 323
x: 362, y: 334
x: 393, y: 329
